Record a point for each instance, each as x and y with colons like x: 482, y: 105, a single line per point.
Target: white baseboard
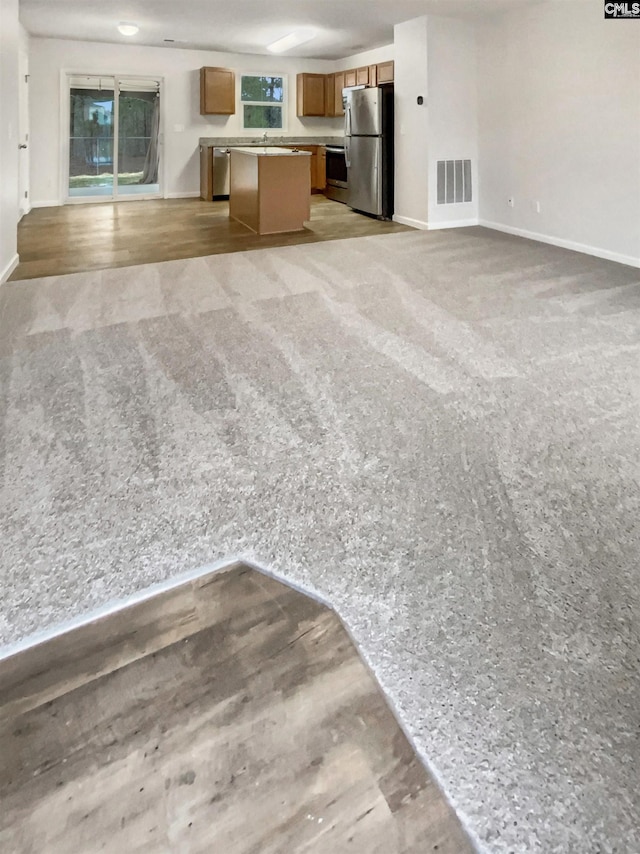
x: 457, y: 223
x: 563, y: 244
x: 9, y: 268
x: 45, y: 204
x: 189, y: 195
x: 414, y: 223
x: 434, y: 226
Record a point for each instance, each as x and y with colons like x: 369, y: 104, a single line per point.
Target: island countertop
x: 267, y: 194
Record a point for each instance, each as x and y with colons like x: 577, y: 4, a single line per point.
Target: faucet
x: 264, y: 137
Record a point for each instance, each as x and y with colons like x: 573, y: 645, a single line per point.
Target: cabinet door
x: 329, y: 100
x: 385, y: 72
x: 313, y: 150
x: 217, y: 91
x: 373, y: 75
x: 362, y: 76
x: 310, y: 94
x: 338, y: 86
x: 321, y: 175
x: 351, y: 77
x: 206, y: 172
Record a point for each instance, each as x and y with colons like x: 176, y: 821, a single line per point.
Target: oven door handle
x: 335, y: 149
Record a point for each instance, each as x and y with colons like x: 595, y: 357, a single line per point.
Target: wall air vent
x: 454, y: 181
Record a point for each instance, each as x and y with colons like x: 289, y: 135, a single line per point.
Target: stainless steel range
x: 337, y: 186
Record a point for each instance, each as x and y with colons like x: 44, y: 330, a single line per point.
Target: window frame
x: 282, y: 104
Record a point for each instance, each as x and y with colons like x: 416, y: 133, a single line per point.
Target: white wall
x: 559, y: 123
x: 9, y: 212
x: 367, y: 57
x: 184, y: 124
x: 411, y: 123
x: 452, y: 111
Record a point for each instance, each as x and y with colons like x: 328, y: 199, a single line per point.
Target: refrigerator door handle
x: 347, y: 151
x: 347, y: 129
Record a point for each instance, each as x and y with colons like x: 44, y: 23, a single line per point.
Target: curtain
x: 152, y: 160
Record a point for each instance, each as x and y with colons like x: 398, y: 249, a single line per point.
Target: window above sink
x: 263, y: 98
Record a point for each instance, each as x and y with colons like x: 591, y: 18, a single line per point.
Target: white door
x: 23, y: 133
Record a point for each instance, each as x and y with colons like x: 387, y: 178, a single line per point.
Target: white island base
x: 269, y: 189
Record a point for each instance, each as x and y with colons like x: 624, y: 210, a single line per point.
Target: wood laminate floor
x: 75, y: 238
x: 231, y: 714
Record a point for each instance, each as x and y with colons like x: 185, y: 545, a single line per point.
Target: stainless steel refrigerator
x: 369, y: 149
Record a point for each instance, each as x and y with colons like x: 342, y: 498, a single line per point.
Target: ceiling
x: 344, y: 27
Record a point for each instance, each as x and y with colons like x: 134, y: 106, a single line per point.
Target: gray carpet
x: 439, y: 433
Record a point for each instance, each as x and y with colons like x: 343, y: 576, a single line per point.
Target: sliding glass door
x: 114, y: 138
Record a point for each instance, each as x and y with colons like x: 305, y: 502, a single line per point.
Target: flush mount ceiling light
x: 127, y: 29
x: 292, y: 40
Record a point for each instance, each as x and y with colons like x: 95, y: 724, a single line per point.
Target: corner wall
x: 559, y: 124
x: 411, y: 136
x: 453, y: 112
x: 9, y: 212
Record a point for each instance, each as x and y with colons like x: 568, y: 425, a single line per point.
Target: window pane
x: 262, y: 89
x: 90, y: 139
x: 136, y: 131
x: 256, y: 116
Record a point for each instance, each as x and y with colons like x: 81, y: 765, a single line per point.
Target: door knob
x: 22, y: 145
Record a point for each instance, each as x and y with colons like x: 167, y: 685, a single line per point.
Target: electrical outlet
x: 511, y: 202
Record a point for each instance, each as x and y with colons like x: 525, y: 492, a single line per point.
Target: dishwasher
x: 221, y: 169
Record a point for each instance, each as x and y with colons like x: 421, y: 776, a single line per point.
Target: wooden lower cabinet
x: 321, y: 173
x: 318, y: 165
x: 268, y: 192
x: 206, y: 172
x: 318, y: 168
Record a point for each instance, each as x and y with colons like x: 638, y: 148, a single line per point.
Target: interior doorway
x: 23, y: 133
x: 113, y: 147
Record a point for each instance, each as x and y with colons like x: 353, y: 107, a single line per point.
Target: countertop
x: 272, y: 151
x: 249, y: 142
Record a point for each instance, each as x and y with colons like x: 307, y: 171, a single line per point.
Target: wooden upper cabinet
x: 385, y: 72
x: 310, y: 94
x: 373, y: 75
x: 338, y: 86
x: 351, y: 77
x: 217, y: 91
x: 329, y: 98
x: 362, y: 76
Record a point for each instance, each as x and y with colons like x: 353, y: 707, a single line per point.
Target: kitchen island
x: 269, y: 188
